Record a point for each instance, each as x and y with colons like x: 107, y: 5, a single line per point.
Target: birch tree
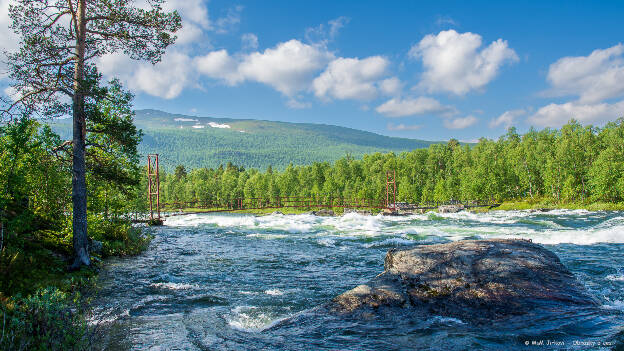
x: 54, y: 73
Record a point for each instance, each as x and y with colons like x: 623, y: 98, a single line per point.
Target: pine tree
x: 60, y: 40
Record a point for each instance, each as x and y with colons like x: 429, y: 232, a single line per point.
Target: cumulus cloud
x: 460, y: 123
x: 507, y: 119
x: 219, y: 65
x: 453, y: 62
x: 195, y: 19
x: 402, y: 127
x: 397, y: 107
x: 592, y: 78
x: 289, y: 67
x: 351, y: 78
x: 166, y: 79
x: 556, y: 115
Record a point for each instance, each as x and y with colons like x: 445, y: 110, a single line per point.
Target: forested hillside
x: 208, y: 142
x: 574, y: 164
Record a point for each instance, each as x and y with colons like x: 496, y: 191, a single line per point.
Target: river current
x: 223, y: 281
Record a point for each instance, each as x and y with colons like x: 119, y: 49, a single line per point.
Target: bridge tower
x: 153, y: 188
x: 391, y: 190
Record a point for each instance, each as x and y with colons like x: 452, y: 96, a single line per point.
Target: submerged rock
x: 450, y: 208
x: 324, y: 213
x: 477, y: 281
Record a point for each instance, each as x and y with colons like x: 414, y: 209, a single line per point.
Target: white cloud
x: 454, y: 63
x: 556, y: 115
x: 166, y: 79
x: 193, y: 10
x: 592, y: 78
x: 12, y: 93
x: 219, y: 65
x: 460, y: 123
x: 8, y: 40
x: 249, y: 41
x: 407, y: 107
x: 402, y: 127
x: 351, y: 78
x: 391, y: 86
x: 195, y: 19
x: 289, y: 67
x: 506, y: 119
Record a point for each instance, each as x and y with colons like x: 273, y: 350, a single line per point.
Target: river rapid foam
x: 226, y: 281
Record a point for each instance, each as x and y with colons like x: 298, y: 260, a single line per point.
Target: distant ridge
x: 208, y: 141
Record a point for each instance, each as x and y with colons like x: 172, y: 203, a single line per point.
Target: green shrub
x: 42, y: 321
x: 118, y: 236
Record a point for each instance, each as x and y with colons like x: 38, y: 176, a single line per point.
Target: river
x: 221, y: 281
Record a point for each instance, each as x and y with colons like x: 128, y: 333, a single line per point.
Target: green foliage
x: 574, y: 165
x: 44, y: 320
x: 112, y: 155
x: 118, y: 237
x: 31, y: 181
x: 35, y: 205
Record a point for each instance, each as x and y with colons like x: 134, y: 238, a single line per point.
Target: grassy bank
x: 526, y: 204
x: 42, y: 304
x: 284, y: 210
x: 529, y: 204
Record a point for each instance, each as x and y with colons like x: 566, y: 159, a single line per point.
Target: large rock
x: 477, y: 281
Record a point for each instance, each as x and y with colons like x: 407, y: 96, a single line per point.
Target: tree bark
x: 79, y: 184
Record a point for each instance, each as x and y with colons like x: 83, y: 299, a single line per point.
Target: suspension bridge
x: 158, y: 211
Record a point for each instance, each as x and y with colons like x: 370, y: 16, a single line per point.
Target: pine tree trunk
x: 79, y: 184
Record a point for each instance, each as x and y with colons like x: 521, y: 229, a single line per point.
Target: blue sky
x: 427, y: 70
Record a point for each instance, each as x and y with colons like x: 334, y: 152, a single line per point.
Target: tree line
x: 575, y: 163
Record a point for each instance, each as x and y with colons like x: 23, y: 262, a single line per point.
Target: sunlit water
x: 222, y: 281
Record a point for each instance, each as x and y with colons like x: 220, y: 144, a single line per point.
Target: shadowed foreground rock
x: 477, y: 281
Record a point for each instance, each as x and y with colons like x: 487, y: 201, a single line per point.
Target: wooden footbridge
x: 160, y: 210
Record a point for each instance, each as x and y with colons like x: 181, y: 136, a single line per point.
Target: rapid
x: 223, y: 281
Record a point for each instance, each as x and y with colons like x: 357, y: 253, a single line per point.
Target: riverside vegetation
x: 573, y: 167
x: 42, y: 304
x: 53, y: 73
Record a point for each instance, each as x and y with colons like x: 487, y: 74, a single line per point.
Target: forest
x: 192, y: 142
x: 574, y: 164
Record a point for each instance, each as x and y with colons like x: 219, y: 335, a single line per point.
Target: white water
x: 540, y: 228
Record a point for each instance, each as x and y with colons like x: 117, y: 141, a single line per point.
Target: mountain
x: 209, y: 142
